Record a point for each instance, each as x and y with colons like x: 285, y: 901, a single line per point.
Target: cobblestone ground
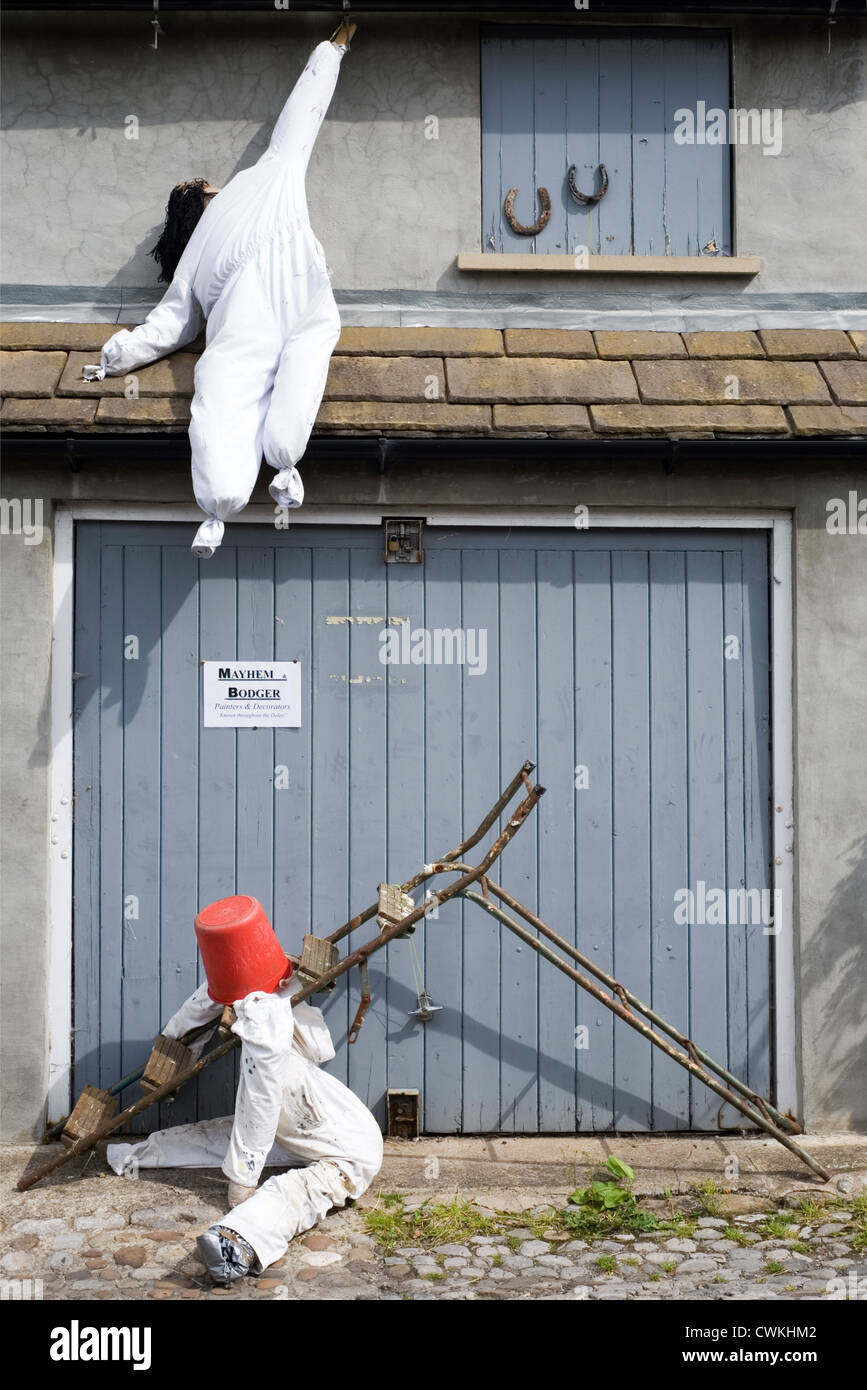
x: 149, y: 1253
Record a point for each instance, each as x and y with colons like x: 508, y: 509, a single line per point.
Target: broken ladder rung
x: 90, y: 1111
x: 394, y: 906
x: 318, y: 956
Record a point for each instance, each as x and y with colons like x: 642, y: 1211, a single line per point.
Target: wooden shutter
x: 550, y: 100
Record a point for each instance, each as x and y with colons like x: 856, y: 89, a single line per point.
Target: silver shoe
x: 225, y: 1255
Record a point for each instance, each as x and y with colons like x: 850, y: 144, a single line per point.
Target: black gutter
x: 385, y: 452
x: 824, y: 9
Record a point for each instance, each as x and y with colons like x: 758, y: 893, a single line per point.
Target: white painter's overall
x: 286, y: 1108
x: 255, y: 271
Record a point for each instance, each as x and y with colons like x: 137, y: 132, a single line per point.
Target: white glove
x: 239, y: 1193
x: 93, y: 372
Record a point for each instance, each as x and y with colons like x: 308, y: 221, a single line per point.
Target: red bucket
x: 239, y: 950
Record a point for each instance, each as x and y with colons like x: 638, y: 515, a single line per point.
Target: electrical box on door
x: 403, y: 540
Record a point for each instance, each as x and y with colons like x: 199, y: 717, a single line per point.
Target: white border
x: 783, y: 797
x: 779, y: 523
x: 60, y: 823
x: 372, y: 515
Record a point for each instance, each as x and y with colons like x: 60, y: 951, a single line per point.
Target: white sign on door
x: 252, y: 694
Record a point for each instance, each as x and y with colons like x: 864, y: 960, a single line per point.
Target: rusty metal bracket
x: 519, y: 227
x: 588, y: 199
x: 364, y: 1005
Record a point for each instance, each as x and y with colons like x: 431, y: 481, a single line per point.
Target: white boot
x: 287, y: 488
x: 208, y: 538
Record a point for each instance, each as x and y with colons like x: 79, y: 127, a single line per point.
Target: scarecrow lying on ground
x: 286, y: 1107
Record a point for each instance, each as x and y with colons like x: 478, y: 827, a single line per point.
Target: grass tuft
x: 433, y: 1223
x: 737, y: 1235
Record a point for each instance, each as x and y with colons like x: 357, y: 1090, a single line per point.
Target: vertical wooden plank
x: 707, y: 818
x: 631, y: 802
x: 668, y: 825
x: 680, y: 191
x: 405, y: 705
x: 330, y: 904
x: 492, y: 124
x: 556, y: 834
x: 713, y: 162
x: 444, y: 825
x: 142, y: 776
x: 485, y: 1029
x: 517, y: 156
x: 519, y: 1088
x: 369, y: 790
x: 255, y: 757
x: 734, y: 658
x: 549, y: 57
x: 614, y: 223
x: 111, y: 803
x: 218, y: 789
x: 757, y: 810
x: 179, y: 811
x: 594, y: 855
x: 697, y: 174
x: 651, y: 233
x: 293, y: 821
x: 583, y: 139
x: 87, y: 702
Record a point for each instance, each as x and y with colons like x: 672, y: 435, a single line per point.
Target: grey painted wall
x: 830, y: 714
x: 25, y: 754
x: 83, y: 203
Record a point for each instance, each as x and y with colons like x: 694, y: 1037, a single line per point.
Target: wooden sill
x: 548, y: 262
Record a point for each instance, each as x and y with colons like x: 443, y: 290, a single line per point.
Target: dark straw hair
x: 183, y: 210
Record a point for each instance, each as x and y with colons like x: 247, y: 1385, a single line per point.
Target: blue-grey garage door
x: 631, y: 667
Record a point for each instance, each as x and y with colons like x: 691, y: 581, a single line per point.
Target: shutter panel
x: 552, y: 100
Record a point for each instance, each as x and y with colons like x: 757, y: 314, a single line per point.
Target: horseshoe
x: 587, y: 198
x: 516, y: 226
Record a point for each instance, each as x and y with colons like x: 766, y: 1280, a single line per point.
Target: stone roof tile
x: 478, y: 381
x: 806, y: 342
x: 30, y: 373
x: 732, y: 379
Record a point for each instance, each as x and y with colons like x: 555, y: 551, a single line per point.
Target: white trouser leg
x: 233, y: 381
x: 297, y: 395
x: 326, y: 1126
x: 201, y: 1145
